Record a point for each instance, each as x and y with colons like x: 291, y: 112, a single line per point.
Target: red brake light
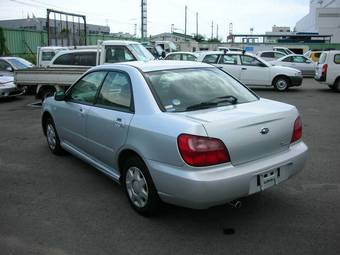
x: 324, y: 70
x: 297, y: 133
x: 202, y: 151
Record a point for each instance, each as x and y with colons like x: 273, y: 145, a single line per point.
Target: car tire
x: 281, y: 83
x: 336, y: 86
x: 52, y: 137
x: 139, y: 187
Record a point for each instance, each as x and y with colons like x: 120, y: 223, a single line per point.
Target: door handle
x: 118, y: 123
x: 244, y: 68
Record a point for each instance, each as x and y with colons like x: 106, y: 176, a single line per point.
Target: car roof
x: 156, y: 65
x: 182, y: 52
x: 118, y: 42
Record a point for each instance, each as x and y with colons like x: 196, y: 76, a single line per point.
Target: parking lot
x: 60, y: 205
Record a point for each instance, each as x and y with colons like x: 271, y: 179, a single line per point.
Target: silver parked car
x: 299, y: 62
x: 8, y: 88
x: 182, y: 132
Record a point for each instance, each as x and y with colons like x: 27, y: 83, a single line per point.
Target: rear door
x: 253, y: 71
x: 231, y: 64
x: 318, y: 70
x: 71, y: 115
x: 108, y: 121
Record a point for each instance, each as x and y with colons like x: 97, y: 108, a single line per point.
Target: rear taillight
x: 202, y: 151
x: 297, y: 133
x: 324, y: 71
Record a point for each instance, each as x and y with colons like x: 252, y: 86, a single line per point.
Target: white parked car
x: 328, y: 69
x: 252, y: 70
x: 300, y: 62
x: 270, y: 55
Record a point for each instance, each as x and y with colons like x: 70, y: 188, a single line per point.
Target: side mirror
x: 163, y: 54
x: 59, y: 96
x: 9, y: 69
x: 308, y: 61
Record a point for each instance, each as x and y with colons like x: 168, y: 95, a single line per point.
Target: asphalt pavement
x: 60, y: 205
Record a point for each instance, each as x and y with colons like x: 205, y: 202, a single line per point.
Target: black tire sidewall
x: 281, y: 78
x: 153, y: 201
x: 57, y: 150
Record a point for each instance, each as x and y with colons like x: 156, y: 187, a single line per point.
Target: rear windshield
x: 181, y: 89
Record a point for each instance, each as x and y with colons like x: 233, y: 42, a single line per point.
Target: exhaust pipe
x: 236, y: 204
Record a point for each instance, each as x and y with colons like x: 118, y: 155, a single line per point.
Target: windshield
x: 142, y: 52
x: 19, y: 63
x: 197, y: 88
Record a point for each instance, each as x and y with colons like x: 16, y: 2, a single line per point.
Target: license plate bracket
x: 268, y: 178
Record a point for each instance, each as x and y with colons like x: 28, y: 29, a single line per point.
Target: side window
x: 228, y: 60
x: 337, y: 59
x: 116, y: 91
x: 299, y: 59
x: 116, y: 54
x: 87, y: 58
x: 287, y: 59
x: 210, y: 59
x: 188, y: 57
x: 278, y: 55
x: 85, y: 90
x: 65, y: 59
x: 174, y: 57
x: 267, y: 55
x: 250, y: 61
x: 4, y: 65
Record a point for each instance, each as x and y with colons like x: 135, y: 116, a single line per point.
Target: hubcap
x: 51, y: 137
x: 281, y: 84
x: 136, y: 187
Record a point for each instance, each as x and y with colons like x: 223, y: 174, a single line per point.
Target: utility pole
x: 212, y: 30
x: 185, y: 27
x: 135, y: 32
x: 216, y: 31
x: 172, y: 28
x: 144, y: 24
x: 196, y: 24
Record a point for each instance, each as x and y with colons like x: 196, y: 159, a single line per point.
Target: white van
x: 328, y: 69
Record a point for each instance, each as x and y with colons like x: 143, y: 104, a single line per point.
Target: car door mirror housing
x: 59, y: 96
x: 9, y: 69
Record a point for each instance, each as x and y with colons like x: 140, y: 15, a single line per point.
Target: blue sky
x: 121, y: 15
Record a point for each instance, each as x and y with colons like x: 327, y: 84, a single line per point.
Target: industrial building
x: 323, y: 18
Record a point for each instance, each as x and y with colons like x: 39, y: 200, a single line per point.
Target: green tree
x: 199, y: 38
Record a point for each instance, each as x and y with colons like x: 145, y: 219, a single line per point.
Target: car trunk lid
x: 251, y: 130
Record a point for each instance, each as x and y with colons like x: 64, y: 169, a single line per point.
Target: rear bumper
x: 217, y: 185
x: 296, y: 80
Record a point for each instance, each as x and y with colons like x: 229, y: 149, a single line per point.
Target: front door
x: 253, y: 71
x: 108, y: 121
x: 71, y: 115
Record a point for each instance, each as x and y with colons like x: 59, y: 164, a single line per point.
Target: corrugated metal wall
x: 23, y: 42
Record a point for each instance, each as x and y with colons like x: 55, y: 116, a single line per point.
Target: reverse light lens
x: 297, y: 133
x: 202, y: 151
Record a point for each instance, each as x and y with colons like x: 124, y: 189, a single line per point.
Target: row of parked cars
x: 280, y: 68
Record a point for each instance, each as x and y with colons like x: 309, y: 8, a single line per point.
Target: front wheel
x: 52, y: 137
x: 281, y: 83
x: 139, y: 187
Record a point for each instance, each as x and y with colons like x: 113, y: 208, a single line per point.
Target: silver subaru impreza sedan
x: 184, y: 133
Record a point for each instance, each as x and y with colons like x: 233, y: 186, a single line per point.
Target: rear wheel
x: 52, y: 137
x: 281, y: 83
x: 139, y: 187
x: 336, y: 85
